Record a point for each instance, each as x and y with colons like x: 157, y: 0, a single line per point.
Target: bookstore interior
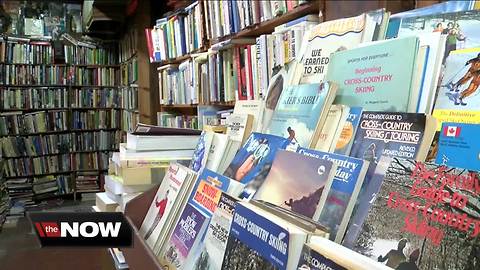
x: 240, y: 135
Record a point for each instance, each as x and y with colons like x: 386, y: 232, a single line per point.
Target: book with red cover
x: 148, y: 35
x: 240, y: 64
x: 248, y: 69
x: 424, y: 216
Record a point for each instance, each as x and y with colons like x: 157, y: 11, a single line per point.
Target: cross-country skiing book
x: 458, y: 146
x: 328, y: 37
x: 327, y: 255
x: 211, y: 256
x: 264, y: 240
x: 301, y: 112
x: 186, y: 236
x: 342, y: 196
x: 169, y: 197
x: 457, y: 99
x: 371, y: 77
x: 201, y: 152
x: 305, y: 197
x: 424, y: 217
x: 345, y: 141
x: 253, y: 161
x: 332, y: 128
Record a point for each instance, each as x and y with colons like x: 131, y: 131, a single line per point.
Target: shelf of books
x: 62, y: 109
x: 352, y: 147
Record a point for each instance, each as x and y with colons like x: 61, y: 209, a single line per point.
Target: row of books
x: 42, y: 52
x: 37, y: 165
x: 167, y: 119
x: 62, y: 98
x: 130, y: 119
x: 129, y: 72
x: 127, y: 45
x: 89, y: 161
x: 233, y: 69
x: 80, y: 55
x: 96, y: 119
x: 58, y: 75
x: 59, y: 143
x: 176, y: 35
x: 18, y: 123
x: 88, y: 182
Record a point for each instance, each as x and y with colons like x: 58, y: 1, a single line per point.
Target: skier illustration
x: 472, y: 75
x: 161, y: 205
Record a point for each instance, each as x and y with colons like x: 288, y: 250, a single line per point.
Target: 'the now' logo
x: 82, y: 229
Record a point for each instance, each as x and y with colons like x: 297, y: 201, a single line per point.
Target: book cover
x: 345, y: 141
x: 341, y: 198
x: 239, y: 126
x: 310, y: 259
x: 298, y: 112
x: 424, y: 217
x: 458, y: 146
x: 211, y: 256
x: 332, y: 128
x: 208, y: 189
x: 160, y: 210
x: 252, y: 107
x: 304, y: 197
x: 200, y: 154
x: 457, y: 100
x: 185, y: 237
x: 370, y: 76
x: 216, y: 151
x: 324, y: 39
x: 255, y: 242
x: 252, y: 162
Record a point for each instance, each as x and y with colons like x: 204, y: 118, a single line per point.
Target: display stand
x: 140, y: 256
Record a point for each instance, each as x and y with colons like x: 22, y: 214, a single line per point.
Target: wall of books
x: 64, y: 101
x: 351, y: 144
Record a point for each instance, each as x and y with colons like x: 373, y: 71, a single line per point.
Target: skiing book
x: 345, y: 142
x: 253, y: 161
x: 201, y: 152
x: 423, y: 217
x: 342, y: 196
x: 369, y: 76
x: 304, y: 197
x: 301, y: 112
x: 458, y: 146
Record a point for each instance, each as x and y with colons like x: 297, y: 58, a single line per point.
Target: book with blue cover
x: 186, y: 236
x: 200, y: 154
x: 345, y: 142
x: 458, y: 146
x: 301, y: 112
x: 341, y: 198
x: 304, y: 197
x: 372, y: 77
x: 252, y: 162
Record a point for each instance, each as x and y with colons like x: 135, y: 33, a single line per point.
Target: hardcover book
x: 301, y: 112
x: 345, y: 141
x: 305, y: 197
x: 341, y: 197
x: 253, y: 161
x: 186, y: 236
x: 370, y: 77
x: 424, y: 217
x: 458, y: 146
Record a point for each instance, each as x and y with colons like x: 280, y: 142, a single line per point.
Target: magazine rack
x: 140, y: 256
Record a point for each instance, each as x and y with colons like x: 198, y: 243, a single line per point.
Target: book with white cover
x: 169, y: 196
x: 116, y: 186
x: 252, y: 107
x: 180, y: 154
x: 104, y: 203
x: 216, y: 151
x: 332, y: 129
x: 164, y: 142
x: 239, y: 126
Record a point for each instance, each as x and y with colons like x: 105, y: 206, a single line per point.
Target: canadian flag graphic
x: 451, y: 131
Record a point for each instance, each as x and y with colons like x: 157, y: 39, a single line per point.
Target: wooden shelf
x: 64, y: 65
x: 180, y: 59
x: 59, y: 132
x: 183, y: 106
